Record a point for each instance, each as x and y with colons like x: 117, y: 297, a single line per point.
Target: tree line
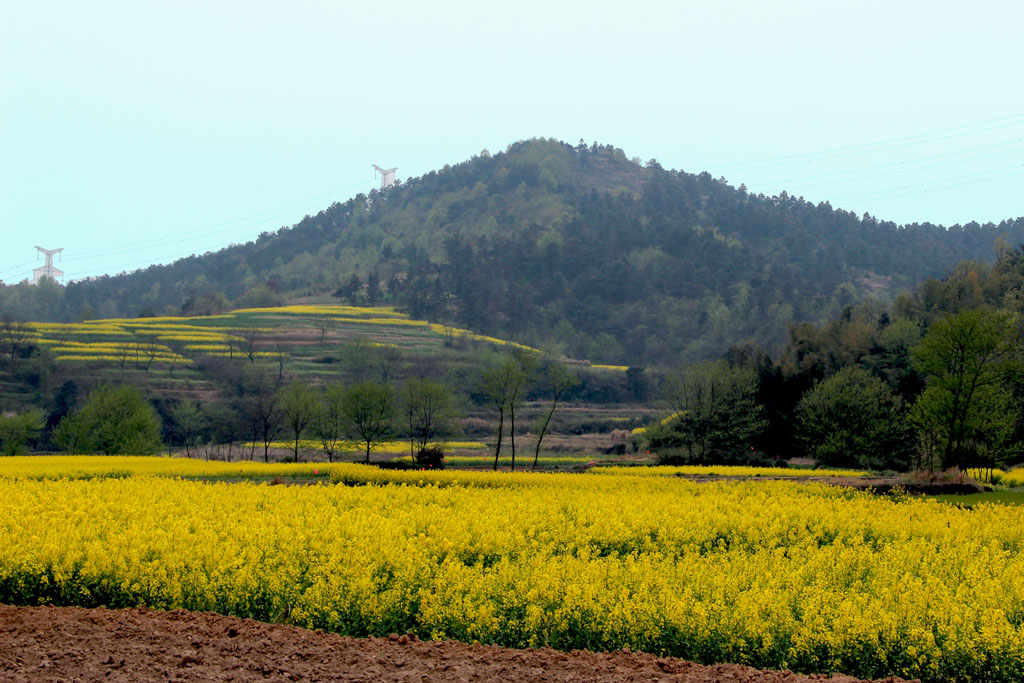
x: 933, y: 380
x: 119, y: 419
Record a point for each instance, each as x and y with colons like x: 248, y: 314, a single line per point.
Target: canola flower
x: 119, y: 466
x: 723, y: 471
x: 233, y: 326
x: 1011, y: 478
x: 113, y: 359
x: 327, y: 309
x: 771, y: 574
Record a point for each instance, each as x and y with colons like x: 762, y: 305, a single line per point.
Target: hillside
x: 221, y: 359
x: 575, y: 249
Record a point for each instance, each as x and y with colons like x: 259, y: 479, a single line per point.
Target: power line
x: 945, y: 183
x: 939, y: 135
x: 1005, y: 147
x: 246, y: 222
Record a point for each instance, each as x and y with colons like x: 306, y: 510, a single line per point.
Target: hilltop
x: 575, y: 249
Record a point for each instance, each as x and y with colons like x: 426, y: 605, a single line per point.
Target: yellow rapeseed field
x: 725, y: 471
x: 767, y: 573
x: 103, y: 466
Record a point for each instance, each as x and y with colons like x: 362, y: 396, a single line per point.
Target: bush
x: 114, y: 420
x: 852, y: 420
x: 17, y: 429
x: 431, y: 457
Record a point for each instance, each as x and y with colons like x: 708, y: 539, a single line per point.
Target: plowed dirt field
x: 73, y: 644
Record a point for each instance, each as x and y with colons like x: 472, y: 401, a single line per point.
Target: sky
x: 134, y: 133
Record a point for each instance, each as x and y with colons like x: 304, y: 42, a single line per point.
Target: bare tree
x: 503, y: 384
x: 324, y: 324
x: 14, y: 334
x: 146, y: 349
x: 123, y: 352
x: 280, y: 355
x: 249, y: 343
x: 262, y: 415
x: 527, y: 366
x: 559, y: 380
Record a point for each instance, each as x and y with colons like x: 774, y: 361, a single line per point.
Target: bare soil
x: 74, y: 644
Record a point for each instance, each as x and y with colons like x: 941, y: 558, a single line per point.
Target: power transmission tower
x: 387, y: 176
x: 48, y: 270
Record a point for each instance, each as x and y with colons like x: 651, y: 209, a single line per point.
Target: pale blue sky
x: 139, y: 132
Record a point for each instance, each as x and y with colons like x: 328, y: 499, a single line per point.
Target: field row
x: 110, y: 340
x: 768, y: 573
x: 103, y: 466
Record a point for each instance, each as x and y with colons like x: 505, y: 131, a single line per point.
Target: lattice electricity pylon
x: 387, y: 176
x: 48, y: 270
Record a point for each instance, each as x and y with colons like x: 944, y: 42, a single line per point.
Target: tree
x: 329, y: 425
x: 280, y: 355
x: 527, y: 363
x: 369, y: 413
x: 63, y: 402
x: 559, y: 380
x: 16, y: 429
x: 324, y: 324
x: 260, y: 413
x: 502, y: 384
x: 224, y: 424
x: 350, y: 292
x: 249, y: 343
x: 146, y: 349
x: 299, y: 405
x: 966, y: 359
x: 14, y: 335
x: 429, y: 411
x: 372, y: 288
x: 189, y: 422
x: 852, y: 419
x: 715, y: 414
x: 113, y: 420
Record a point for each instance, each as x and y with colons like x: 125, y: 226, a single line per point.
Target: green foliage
x: 715, y: 415
x: 966, y: 407
x: 299, y: 406
x: 329, y: 424
x: 503, y: 385
x: 259, y: 296
x: 368, y: 410
x: 113, y: 420
x: 643, y: 265
x: 189, y: 422
x: 852, y: 420
x: 429, y: 411
x: 17, y: 429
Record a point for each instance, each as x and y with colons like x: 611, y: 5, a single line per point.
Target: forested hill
x: 575, y: 248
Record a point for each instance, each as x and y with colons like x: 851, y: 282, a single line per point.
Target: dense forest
x: 575, y: 249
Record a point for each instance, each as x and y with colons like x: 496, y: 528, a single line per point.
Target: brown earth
x: 74, y: 644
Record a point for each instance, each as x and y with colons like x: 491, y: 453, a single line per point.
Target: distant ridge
x: 573, y: 248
